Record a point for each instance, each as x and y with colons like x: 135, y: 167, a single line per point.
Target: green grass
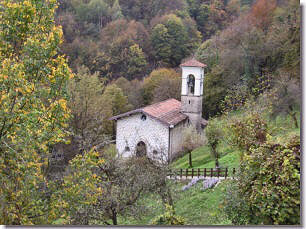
x: 202, y: 207
x: 197, y: 207
x: 153, y: 207
x: 202, y: 158
x: 282, y: 127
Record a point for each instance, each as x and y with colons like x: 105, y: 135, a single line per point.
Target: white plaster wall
x: 131, y: 130
x: 176, y: 142
x: 198, y: 73
x: 202, y: 81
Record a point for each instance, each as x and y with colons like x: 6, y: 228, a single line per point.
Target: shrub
x: 268, y: 187
x: 247, y: 131
x: 168, y: 218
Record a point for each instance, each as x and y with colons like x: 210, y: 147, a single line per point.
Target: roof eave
x: 125, y: 114
x: 143, y: 112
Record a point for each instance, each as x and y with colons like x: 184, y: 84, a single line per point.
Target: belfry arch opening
x: 190, y: 83
x: 141, y: 149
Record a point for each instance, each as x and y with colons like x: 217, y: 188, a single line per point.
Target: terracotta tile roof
x: 167, y: 112
x: 193, y: 63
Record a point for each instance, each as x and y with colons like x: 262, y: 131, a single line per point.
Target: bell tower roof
x: 193, y: 63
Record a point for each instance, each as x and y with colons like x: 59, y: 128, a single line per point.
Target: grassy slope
x: 202, y: 158
x: 280, y: 128
x: 196, y: 206
x: 202, y: 207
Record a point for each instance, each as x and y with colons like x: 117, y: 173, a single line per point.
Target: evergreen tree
x: 116, y: 11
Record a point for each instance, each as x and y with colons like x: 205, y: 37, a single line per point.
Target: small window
x: 143, y: 117
x: 189, y: 101
x: 155, y: 152
x: 127, y: 149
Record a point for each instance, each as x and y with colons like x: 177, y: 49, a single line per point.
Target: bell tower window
x: 191, y: 82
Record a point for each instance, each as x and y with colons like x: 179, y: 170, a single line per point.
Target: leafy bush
x: 268, y: 187
x: 168, y: 218
x: 214, y: 135
x: 250, y: 130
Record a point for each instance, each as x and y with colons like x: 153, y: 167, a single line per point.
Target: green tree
x: 146, y: 11
x: 123, y: 44
x: 116, y: 11
x: 33, y: 110
x: 159, y: 39
x: 214, y: 135
x: 157, y: 82
x: 136, y: 62
x: 118, y: 102
x: 73, y: 199
x: 94, y: 11
x: 133, y: 90
x: 169, y: 40
x: 114, y: 96
x: 214, y: 92
x: 89, y: 113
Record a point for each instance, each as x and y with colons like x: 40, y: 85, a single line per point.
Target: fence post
x: 192, y: 173
x: 186, y: 173
x: 234, y: 171
x: 181, y: 173
x: 225, y: 172
x: 218, y: 172
x: 211, y: 172
x: 199, y: 172
x: 205, y: 173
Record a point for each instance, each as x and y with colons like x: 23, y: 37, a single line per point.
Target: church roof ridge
x: 193, y: 63
x: 167, y: 112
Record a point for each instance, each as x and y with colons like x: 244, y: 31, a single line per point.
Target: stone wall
x: 191, y: 104
x: 132, y: 129
x: 192, y: 107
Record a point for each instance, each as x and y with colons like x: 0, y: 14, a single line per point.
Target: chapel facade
x: 157, y: 130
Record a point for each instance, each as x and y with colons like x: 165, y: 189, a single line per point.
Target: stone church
x: 157, y: 130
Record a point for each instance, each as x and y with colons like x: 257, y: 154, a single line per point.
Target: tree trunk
x: 190, y: 160
x: 114, y: 217
x: 165, y: 193
x: 166, y: 197
x: 217, y: 160
x: 292, y: 114
x: 215, y: 153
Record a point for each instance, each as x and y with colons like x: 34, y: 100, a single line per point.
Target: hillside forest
x: 68, y: 66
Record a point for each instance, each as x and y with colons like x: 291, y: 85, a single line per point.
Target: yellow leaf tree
x: 33, y: 111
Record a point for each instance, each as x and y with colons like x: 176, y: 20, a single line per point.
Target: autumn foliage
x: 261, y: 14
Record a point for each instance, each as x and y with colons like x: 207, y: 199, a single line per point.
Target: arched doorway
x: 141, y: 149
x: 191, y: 83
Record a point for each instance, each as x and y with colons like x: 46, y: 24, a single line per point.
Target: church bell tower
x: 192, y: 91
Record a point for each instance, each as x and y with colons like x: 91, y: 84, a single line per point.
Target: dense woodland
x: 67, y: 66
